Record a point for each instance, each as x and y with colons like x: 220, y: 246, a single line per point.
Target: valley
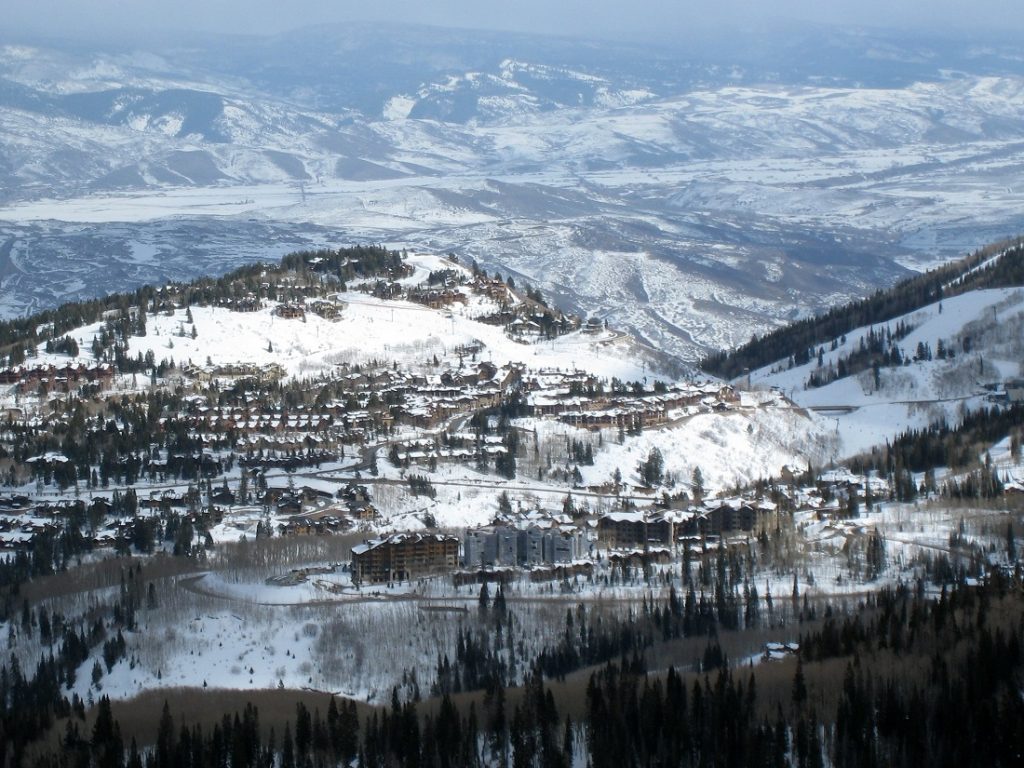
x: 692, y: 214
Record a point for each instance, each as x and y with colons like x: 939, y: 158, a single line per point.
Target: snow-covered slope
x: 980, y: 337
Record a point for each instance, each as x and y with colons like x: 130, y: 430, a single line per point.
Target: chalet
x: 435, y: 298
x: 223, y: 495
x: 486, y: 372
x: 401, y: 557
x: 387, y: 290
x: 314, y: 491
x: 101, y: 507
x: 356, y: 500
x: 295, y: 526
x: 354, y: 492
x: 16, y: 501
x: 248, y: 303
x: 291, y: 311
x: 289, y: 505
x: 522, y: 328
x: 361, y: 510
x: 308, y: 525
x: 327, y: 310
x: 495, y: 290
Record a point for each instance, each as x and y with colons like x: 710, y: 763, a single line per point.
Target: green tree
x: 652, y: 469
x: 697, y: 483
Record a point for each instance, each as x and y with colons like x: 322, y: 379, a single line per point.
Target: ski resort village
x: 351, y: 447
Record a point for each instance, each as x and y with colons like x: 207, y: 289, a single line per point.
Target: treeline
x: 801, y: 340
x: 345, y: 264
x: 236, y: 740
x: 924, y: 450
x: 878, y: 349
x: 962, y: 708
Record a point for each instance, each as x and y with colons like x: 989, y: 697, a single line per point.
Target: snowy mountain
x: 693, y: 196
x: 913, y: 369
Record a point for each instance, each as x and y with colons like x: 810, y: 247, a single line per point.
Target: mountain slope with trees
x: 996, y: 266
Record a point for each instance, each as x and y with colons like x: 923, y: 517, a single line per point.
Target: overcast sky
x: 633, y: 19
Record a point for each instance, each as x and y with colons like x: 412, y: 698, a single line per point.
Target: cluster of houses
x: 427, y: 399
x: 20, y: 521
x: 269, y: 429
x: 580, y: 399
x: 461, y: 448
x: 248, y: 303
x: 372, y: 401
x: 433, y: 402
x: 436, y: 298
x: 317, y: 500
x: 261, y: 374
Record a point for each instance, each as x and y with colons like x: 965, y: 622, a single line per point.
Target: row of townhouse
x: 244, y: 420
x: 565, y: 397
x: 295, y: 441
x: 633, y: 528
x: 428, y: 409
x: 51, y: 378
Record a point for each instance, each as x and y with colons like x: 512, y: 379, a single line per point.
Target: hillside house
x: 327, y: 310
x: 435, y: 298
x: 291, y: 311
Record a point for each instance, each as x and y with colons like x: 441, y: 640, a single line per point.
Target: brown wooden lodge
x: 404, y: 556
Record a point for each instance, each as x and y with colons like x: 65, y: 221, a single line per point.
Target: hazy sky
x: 602, y: 18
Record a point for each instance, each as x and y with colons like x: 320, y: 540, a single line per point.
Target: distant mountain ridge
x: 692, y: 194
